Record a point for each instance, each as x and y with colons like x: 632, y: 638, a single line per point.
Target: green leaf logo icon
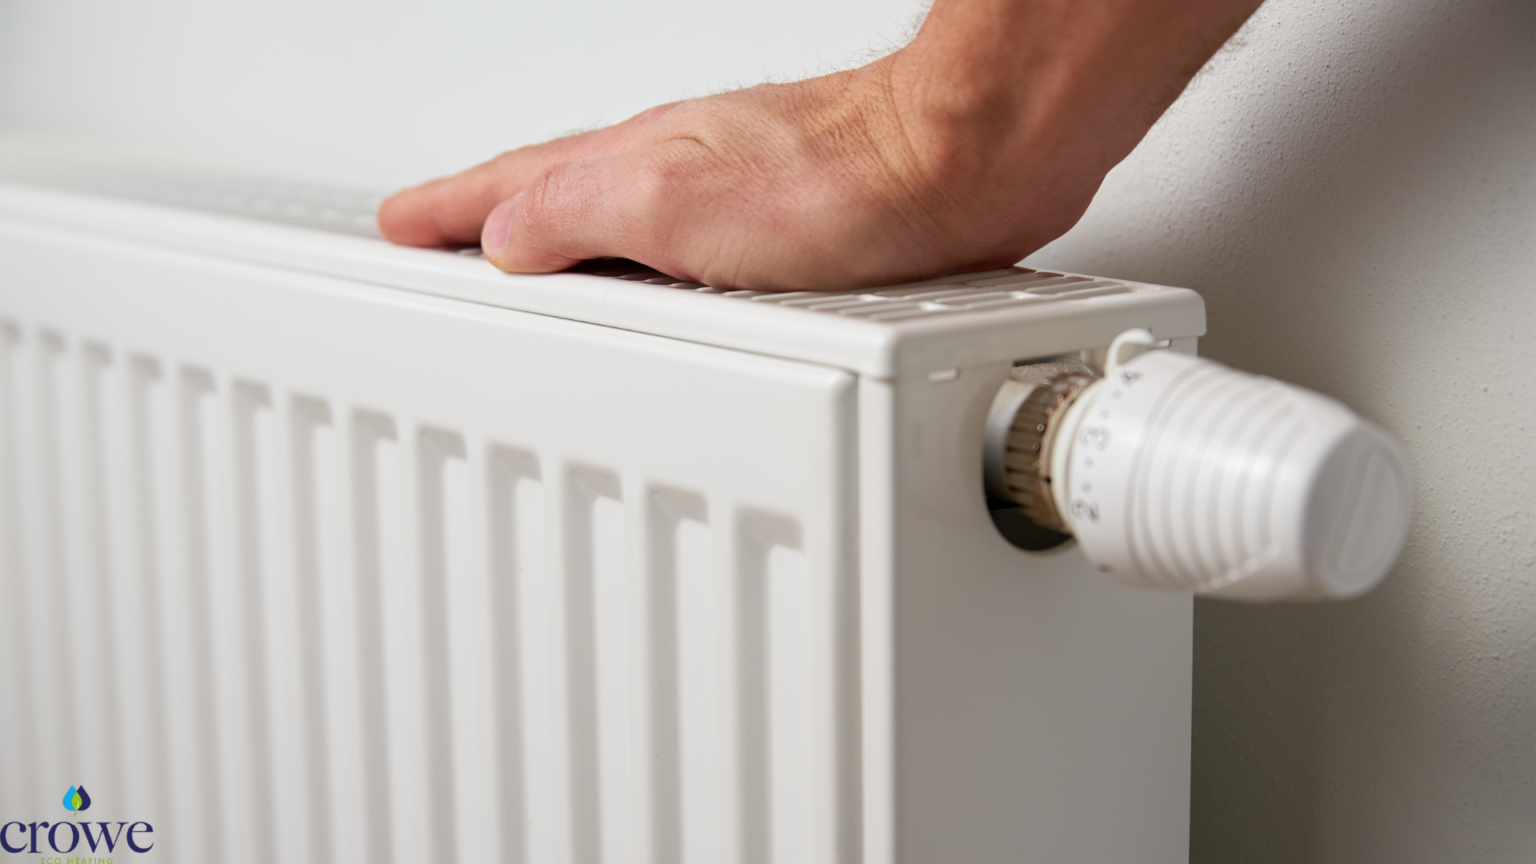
x: 77, y: 799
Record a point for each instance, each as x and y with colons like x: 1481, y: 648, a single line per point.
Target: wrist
x: 1040, y: 78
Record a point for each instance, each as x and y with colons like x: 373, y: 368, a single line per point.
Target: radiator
x: 318, y: 549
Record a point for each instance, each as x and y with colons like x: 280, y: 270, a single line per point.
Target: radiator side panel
x: 1020, y: 706
x: 303, y: 570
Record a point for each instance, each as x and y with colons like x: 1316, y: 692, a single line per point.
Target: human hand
x: 979, y: 142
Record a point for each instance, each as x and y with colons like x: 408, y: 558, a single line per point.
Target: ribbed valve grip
x: 1180, y: 473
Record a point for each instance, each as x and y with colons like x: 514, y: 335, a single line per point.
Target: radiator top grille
x: 947, y: 295
x: 329, y: 231
x: 287, y: 202
x: 351, y: 212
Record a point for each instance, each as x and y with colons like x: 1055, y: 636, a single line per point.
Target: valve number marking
x: 1094, y: 436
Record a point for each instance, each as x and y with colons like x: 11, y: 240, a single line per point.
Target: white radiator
x: 321, y: 550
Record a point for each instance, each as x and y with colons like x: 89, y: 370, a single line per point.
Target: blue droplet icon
x: 77, y: 799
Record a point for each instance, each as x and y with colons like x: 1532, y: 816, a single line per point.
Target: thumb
x: 612, y: 206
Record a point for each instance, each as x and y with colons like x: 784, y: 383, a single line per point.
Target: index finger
x: 450, y: 211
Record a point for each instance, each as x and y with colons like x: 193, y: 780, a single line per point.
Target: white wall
x: 387, y: 91
x: 1350, y: 185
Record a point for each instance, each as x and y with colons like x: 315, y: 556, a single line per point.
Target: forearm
x: 1036, y: 75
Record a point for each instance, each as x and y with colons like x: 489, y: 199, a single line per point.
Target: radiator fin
x: 298, y: 600
x: 140, y: 519
x: 56, y: 717
x: 16, y: 724
x: 685, y: 684
x: 516, y: 542
x: 89, y: 590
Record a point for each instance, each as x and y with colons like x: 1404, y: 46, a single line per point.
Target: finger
x: 611, y: 206
x: 450, y: 211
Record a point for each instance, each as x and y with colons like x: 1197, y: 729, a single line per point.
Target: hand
x: 978, y: 143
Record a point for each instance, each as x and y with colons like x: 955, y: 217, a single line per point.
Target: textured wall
x: 1349, y: 184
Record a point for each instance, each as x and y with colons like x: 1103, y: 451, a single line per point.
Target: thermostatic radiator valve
x: 1177, y: 472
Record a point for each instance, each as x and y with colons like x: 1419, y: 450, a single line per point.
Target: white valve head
x: 1178, y: 472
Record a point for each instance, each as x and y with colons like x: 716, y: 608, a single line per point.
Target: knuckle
x: 662, y: 172
x: 656, y: 112
x: 694, y: 118
x: 546, y: 202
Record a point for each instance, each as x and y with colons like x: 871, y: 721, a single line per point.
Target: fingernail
x: 498, y: 227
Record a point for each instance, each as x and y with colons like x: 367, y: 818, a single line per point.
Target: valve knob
x: 1177, y: 472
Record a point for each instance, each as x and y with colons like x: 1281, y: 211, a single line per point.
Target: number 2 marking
x: 1085, y: 510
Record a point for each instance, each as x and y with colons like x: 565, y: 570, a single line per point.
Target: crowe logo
x: 76, y: 799
x: 65, y: 837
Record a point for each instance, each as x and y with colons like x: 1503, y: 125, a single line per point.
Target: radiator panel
x: 368, y: 576
x: 325, y: 549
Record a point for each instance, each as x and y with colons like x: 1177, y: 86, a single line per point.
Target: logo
x: 77, y: 799
x: 65, y: 837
